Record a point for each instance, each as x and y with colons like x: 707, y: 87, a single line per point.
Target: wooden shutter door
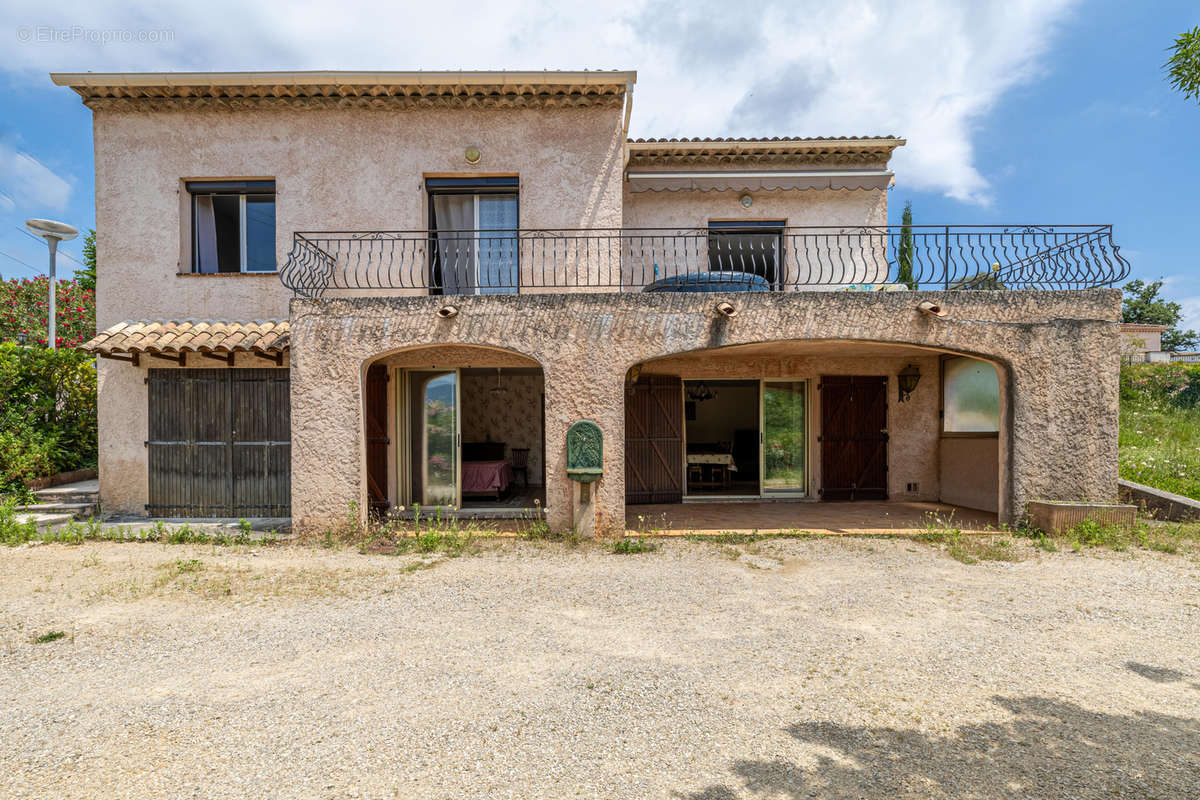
x: 853, y: 437
x: 260, y: 482
x: 377, y: 439
x: 654, y: 440
x: 219, y: 442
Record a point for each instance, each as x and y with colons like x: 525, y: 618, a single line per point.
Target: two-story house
x: 326, y: 292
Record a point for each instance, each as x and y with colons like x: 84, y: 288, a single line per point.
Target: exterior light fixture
x: 907, y: 379
x: 473, y: 155
x: 53, y: 232
x: 746, y: 201
x: 726, y: 309
x: 932, y: 309
x: 447, y: 312
x: 22, y: 338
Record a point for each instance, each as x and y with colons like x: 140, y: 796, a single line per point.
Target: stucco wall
x: 338, y: 169
x: 806, y: 256
x: 965, y: 480
x: 1057, y: 350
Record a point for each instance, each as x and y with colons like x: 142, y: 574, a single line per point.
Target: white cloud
x: 25, y: 180
x: 928, y: 70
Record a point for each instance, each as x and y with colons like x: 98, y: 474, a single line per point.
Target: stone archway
x: 1057, y: 349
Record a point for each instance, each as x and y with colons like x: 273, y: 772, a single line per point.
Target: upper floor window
x: 753, y: 246
x: 474, y: 224
x: 233, y: 226
x: 970, y: 396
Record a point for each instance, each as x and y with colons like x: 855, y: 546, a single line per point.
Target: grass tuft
x: 627, y: 545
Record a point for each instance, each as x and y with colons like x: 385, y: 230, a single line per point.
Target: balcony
x: 980, y: 257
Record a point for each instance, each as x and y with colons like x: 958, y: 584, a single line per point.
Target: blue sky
x: 1026, y: 111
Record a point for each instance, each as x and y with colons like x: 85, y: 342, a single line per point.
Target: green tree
x: 86, y: 277
x: 1183, y: 67
x: 1142, y: 304
x: 904, y: 252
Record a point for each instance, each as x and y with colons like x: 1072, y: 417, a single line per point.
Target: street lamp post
x: 53, y: 232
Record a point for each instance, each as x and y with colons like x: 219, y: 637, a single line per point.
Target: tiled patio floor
x: 775, y: 517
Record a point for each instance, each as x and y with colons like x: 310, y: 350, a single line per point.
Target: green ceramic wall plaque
x: 585, y: 451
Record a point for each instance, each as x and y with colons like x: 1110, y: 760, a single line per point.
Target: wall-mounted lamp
x: 726, y: 309
x: 446, y: 312
x: 930, y: 308
x: 907, y: 379
x: 472, y: 155
x: 746, y: 201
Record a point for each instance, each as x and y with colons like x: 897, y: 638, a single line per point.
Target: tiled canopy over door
x: 853, y: 437
x: 654, y: 440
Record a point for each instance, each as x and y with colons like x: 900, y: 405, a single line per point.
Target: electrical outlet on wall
x: 913, y: 488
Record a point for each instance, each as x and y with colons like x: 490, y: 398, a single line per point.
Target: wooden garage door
x: 220, y: 443
x: 654, y: 440
x: 853, y: 437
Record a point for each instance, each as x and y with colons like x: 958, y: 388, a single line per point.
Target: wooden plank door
x: 654, y: 440
x: 376, y: 423
x: 219, y: 443
x: 853, y: 437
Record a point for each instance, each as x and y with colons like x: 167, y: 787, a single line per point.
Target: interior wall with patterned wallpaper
x: 513, y: 416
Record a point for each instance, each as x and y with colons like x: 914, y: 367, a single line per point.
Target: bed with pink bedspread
x: 486, y: 477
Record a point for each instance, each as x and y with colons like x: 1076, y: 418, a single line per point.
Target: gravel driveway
x: 803, y: 668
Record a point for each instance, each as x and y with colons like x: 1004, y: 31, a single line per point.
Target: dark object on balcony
x: 711, y: 282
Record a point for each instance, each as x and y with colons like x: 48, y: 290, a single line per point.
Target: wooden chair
x: 518, y: 459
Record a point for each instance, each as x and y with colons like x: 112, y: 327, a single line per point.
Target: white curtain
x: 497, y: 243
x: 206, y: 235
x: 455, y: 218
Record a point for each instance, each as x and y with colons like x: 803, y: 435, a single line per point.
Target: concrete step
x: 78, y: 492
x: 47, y: 521
x: 79, y: 510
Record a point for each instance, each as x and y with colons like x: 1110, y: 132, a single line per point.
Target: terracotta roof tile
x: 184, y: 336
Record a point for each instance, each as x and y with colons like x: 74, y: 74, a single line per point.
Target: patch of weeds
x: 50, y: 636
x: 651, y: 526
x: 968, y: 548
x: 725, y: 537
x: 448, y: 535
x: 12, y: 531
x: 1146, y: 535
x: 417, y: 566
x: 627, y: 545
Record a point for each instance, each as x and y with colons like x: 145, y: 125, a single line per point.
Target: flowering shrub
x: 47, y: 412
x: 23, y: 305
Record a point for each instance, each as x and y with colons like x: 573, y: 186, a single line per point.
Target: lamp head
x: 49, y: 229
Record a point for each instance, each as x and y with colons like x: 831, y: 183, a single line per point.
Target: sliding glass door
x: 784, y: 405
x: 431, y: 453
x: 476, y: 238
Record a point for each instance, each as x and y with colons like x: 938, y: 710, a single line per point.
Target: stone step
x: 80, y: 510
x: 78, y: 492
x: 47, y: 521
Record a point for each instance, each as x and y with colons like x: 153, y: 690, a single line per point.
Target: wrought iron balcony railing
x: 751, y: 257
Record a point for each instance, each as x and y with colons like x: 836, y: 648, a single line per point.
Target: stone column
x: 573, y: 394
x: 327, y: 435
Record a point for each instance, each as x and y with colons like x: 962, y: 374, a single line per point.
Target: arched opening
x: 454, y: 430
x: 790, y: 422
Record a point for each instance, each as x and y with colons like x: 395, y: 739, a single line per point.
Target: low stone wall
x: 1057, y: 352
x: 1159, y: 504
